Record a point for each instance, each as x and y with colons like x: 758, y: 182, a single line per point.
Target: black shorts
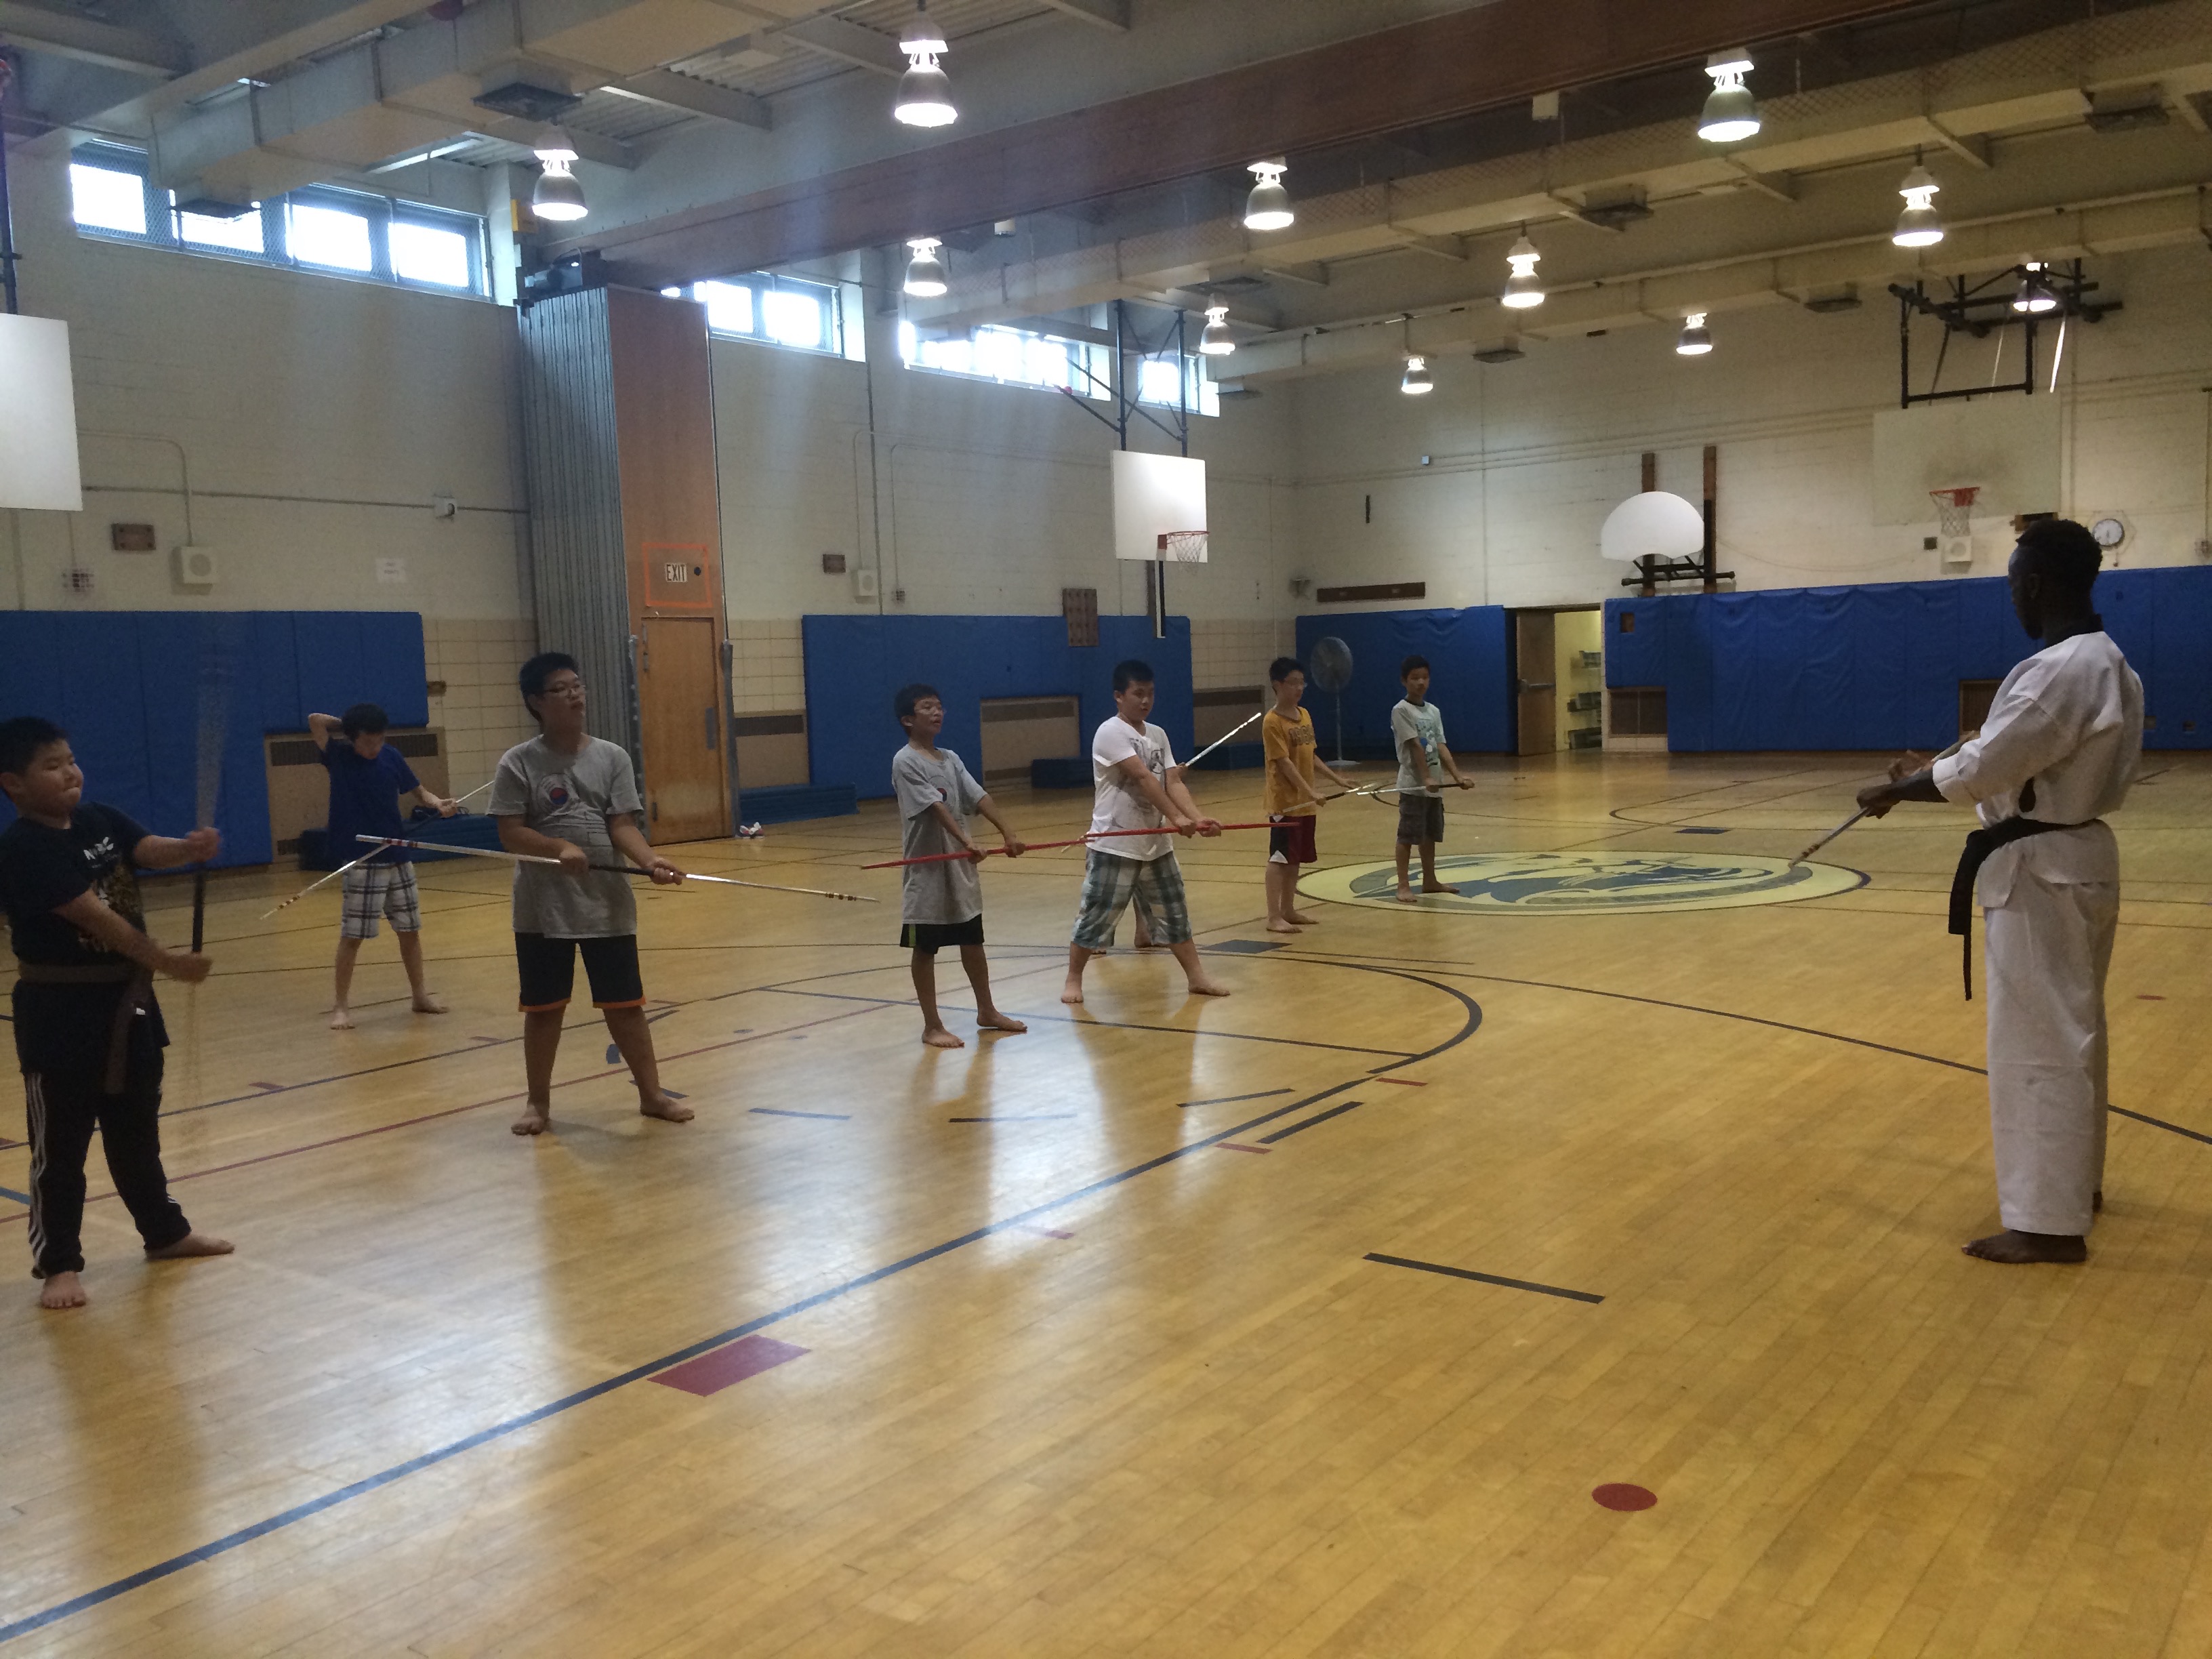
x: 1420, y: 819
x: 1290, y: 840
x: 548, y: 968
x: 930, y: 936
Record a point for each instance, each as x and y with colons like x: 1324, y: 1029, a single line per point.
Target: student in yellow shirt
x: 1286, y: 737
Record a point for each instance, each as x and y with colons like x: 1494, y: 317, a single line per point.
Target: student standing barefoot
x: 568, y: 795
x: 1417, y: 726
x: 1286, y: 738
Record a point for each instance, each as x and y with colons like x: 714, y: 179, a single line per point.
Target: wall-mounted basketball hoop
x: 1182, y: 547
x: 1955, y: 508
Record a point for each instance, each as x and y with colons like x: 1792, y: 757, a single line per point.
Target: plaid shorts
x: 381, y: 889
x: 1108, y: 884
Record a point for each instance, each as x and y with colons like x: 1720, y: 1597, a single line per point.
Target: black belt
x: 1980, y: 844
x: 137, y: 986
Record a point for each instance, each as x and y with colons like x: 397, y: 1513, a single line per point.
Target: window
x: 1158, y: 383
x: 346, y: 232
x: 1013, y: 356
x: 785, y: 311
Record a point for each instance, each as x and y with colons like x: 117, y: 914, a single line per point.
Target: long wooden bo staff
x: 324, y: 881
x: 613, y: 869
x: 1042, y: 846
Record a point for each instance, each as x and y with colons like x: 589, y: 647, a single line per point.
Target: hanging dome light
x: 1695, y: 339
x: 924, y: 272
x: 1214, y: 340
x: 1417, y: 383
x: 2035, y: 296
x: 1731, y: 113
x: 1268, y: 206
x: 1919, y: 225
x: 558, y: 196
x: 1522, y: 288
x: 925, y: 96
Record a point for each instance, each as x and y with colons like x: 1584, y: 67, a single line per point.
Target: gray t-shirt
x: 569, y: 796
x: 1422, y: 724
x: 947, y: 892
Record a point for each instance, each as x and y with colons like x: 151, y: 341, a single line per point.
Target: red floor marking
x: 1235, y: 1146
x: 277, y: 1088
x: 712, y: 1372
x: 2148, y: 996
x: 1405, y: 1082
x: 1618, y: 1495
x: 1046, y: 1232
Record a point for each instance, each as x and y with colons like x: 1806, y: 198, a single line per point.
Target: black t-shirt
x: 42, y: 868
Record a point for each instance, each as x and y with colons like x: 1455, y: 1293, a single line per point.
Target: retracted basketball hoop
x: 1956, y: 508
x: 1182, y: 547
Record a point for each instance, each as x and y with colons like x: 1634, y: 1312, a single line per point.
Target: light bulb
x: 924, y: 272
x: 1522, y: 288
x: 671, y: 294
x: 1417, y: 383
x: 1731, y: 113
x: 558, y: 196
x: 1268, y: 206
x: 925, y: 96
x: 1214, y: 340
x: 1919, y: 225
x: 2035, y: 296
x: 1695, y: 340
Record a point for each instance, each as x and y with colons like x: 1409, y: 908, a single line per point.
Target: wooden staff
x: 1218, y: 742
x: 1861, y: 812
x: 322, y: 881
x: 1046, y: 846
x: 616, y: 869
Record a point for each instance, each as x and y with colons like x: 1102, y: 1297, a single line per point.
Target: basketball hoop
x: 1955, y: 508
x: 1183, y: 547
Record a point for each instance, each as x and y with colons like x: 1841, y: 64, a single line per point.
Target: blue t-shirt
x: 365, y: 798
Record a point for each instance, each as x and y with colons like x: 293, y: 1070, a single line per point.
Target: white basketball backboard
x: 1655, y: 524
x: 1155, y: 495
x: 2007, y: 443
x: 37, y: 417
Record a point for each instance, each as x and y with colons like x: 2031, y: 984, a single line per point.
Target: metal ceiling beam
x: 1105, y: 14
x: 694, y: 96
x: 848, y: 43
x: 67, y: 35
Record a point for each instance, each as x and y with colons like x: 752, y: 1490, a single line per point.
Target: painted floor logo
x: 1588, y: 884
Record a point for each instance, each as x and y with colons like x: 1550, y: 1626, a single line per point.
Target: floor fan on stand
x: 1330, y: 663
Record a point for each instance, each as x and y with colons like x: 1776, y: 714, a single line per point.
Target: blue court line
x: 1338, y: 1110
x: 9, y: 1192
x: 778, y: 1111
x: 430, y: 1459
x: 1485, y: 1279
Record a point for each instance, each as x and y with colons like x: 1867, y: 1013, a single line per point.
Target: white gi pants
x: 2049, y: 945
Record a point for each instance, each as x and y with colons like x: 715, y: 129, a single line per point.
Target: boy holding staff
x: 1286, y: 738
x: 1417, y: 728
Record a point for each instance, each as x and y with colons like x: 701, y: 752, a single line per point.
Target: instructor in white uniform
x: 2058, y: 751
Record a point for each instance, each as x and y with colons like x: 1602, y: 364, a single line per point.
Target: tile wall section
x: 481, y: 709
x: 1236, y: 651
x: 770, y: 674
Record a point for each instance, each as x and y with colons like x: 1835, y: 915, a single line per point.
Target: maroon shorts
x: 1290, y: 840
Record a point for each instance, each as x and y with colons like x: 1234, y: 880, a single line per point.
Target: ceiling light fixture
x: 1521, y: 287
x: 1417, y: 383
x: 2035, y: 296
x: 924, y: 272
x: 1731, y: 113
x: 671, y: 294
x: 1268, y: 206
x: 1214, y: 340
x: 925, y: 96
x: 1919, y: 225
x: 558, y: 196
x: 1695, y: 339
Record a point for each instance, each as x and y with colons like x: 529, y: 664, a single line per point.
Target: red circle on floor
x: 1618, y: 1495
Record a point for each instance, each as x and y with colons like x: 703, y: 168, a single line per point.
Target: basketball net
x: 1182, y: 547
x: 1956, y: 508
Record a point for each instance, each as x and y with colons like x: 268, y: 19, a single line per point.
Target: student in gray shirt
x: 568, y: 795
x: 942, y: 903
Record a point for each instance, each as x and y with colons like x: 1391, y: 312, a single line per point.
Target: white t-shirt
x: 1118, y: 805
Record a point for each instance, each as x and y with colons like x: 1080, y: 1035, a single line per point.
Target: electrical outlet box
x: 195, y: 566
x: 864, y: 584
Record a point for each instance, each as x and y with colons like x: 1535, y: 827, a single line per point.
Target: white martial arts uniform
x: 2069, y: 719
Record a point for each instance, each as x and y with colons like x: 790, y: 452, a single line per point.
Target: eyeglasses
x: 561, y: 687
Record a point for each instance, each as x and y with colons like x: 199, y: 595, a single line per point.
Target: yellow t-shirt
x: 1290, y: 740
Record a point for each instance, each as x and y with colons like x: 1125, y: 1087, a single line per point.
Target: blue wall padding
x: 127, y: 685
x: 1470, y: 678
x: 855, y: 665
x: 1878, y: 666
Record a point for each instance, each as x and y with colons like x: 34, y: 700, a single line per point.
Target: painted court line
x: 1017, y: 1117
x: 779, y: 1111
x: 1225, y: 1100
x: 1485, y: 1279
x: 711, y: 1373
x: 1239, y: 1146
x: 1318, y: 1117
x: 20, y: 1198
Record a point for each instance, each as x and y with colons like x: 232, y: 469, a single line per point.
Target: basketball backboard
x: 1156, y: 496
x: 1653, y: 524
x: 37, y: 417
x: 2008, y: 445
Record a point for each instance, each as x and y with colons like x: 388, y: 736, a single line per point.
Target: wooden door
x: 680, y: 710
x: 1536, y: 690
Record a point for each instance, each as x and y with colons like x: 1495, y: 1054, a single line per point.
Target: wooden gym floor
x: 1079, y: 1343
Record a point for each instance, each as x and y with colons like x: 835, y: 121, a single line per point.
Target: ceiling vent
x: 1505, y: 351
x: 1616, y: 209
x: 526, y: 101
x: 1827, y: 304
x: 2124, y: 109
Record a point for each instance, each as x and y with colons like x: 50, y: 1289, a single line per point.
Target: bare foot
x: 429, y: 1003
x: 1206, y: 987
x: 1438, y: 887
x: 191, y: 1245
x: 667, y: 1109
x: 535, y: 1119
x: 2017, y: 1248
x: 1406, y: 896
x: 1072, y: 993
x: 1281, y: 927
x: 937, y: 1037
x: 341, y: 1019
x: 995, y: 1021
x: 1298, y: 920
x: 62, y: 1291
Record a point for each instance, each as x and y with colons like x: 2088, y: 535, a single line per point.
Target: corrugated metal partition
x: 569, y: 458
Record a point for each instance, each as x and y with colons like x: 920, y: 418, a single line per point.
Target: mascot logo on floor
x: 1586, y: 883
